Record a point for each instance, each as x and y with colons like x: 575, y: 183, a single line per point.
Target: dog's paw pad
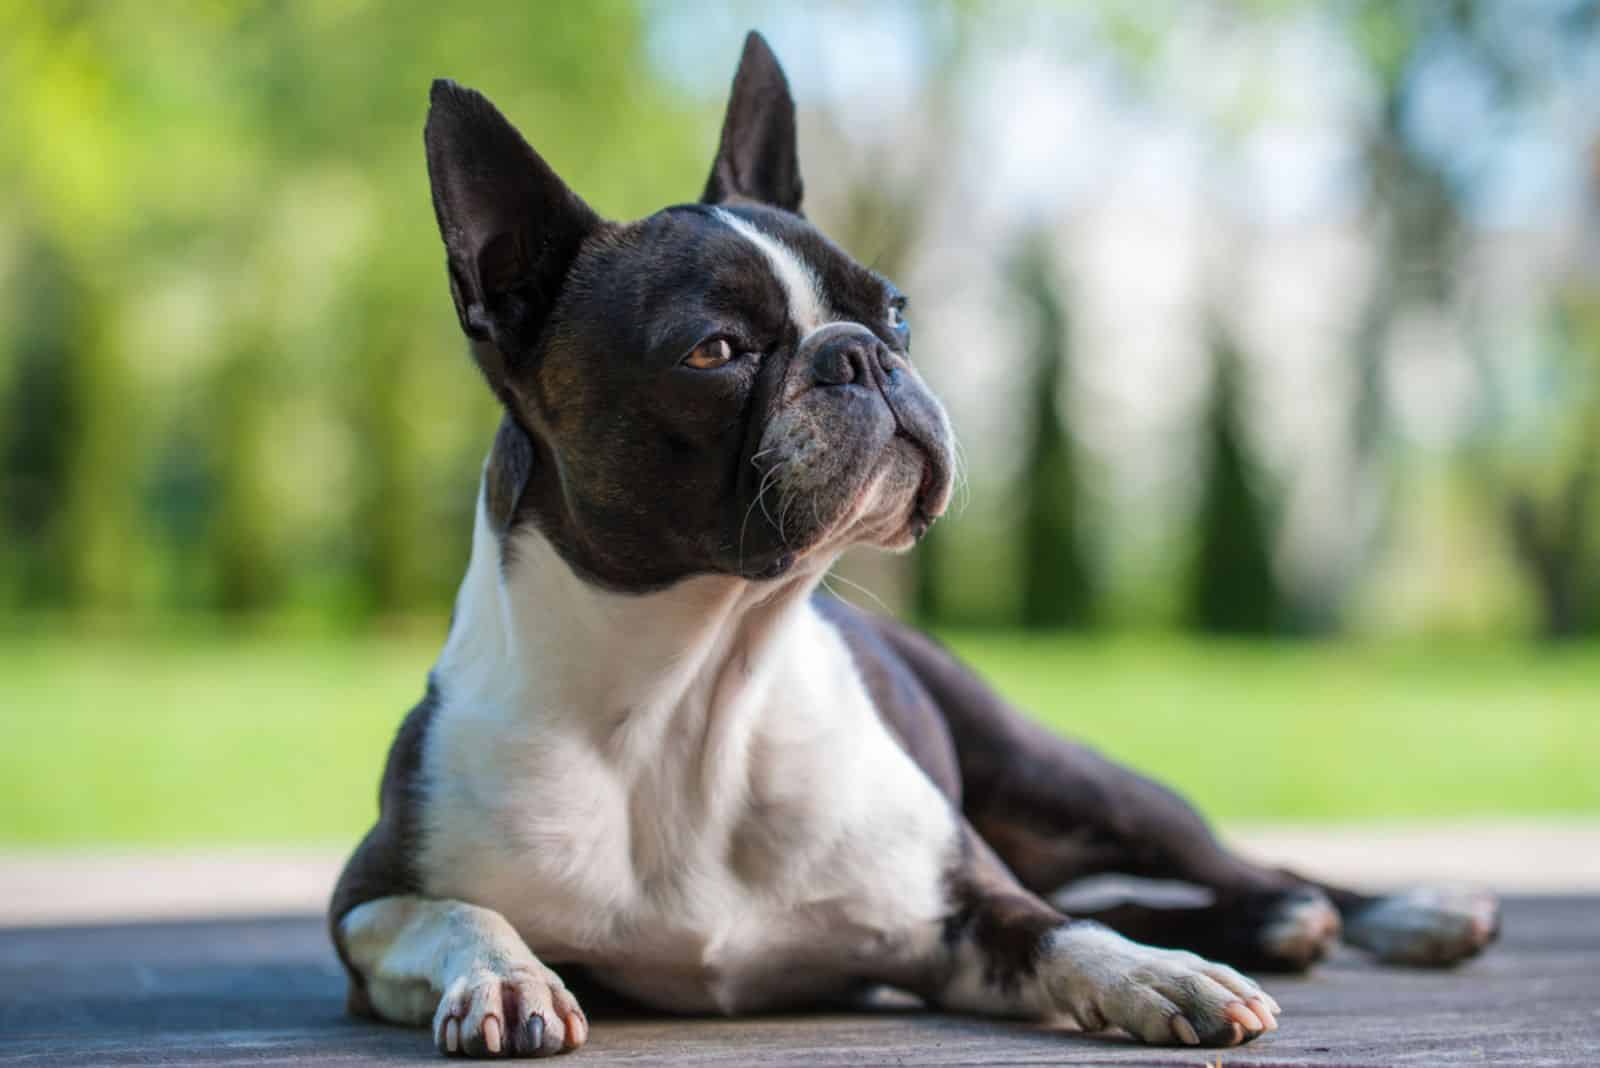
x: 1427, y: 927
x: 1157, y: 995
x: 521, y: 1012
x: 1299, y: 931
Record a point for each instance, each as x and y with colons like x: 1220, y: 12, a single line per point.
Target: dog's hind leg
x: 1056, y: 811
x: 1429, y: 927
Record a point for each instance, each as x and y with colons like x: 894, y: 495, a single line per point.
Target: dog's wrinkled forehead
x: 819, y: 282
x: 802, y: 288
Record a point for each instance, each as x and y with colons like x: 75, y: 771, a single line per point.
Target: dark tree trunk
x: 1057, y: 588
x: 1233, y: 588
x: 1556, y: 551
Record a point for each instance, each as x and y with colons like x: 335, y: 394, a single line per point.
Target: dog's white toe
x: 1426, y: 927
x: 522, y: 1012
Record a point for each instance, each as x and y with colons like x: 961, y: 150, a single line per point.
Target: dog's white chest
x: 757, y: 843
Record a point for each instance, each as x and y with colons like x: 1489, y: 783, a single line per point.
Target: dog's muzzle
x: 846, y: 355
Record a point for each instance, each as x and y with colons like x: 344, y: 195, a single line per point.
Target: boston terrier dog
x: 650, y: 758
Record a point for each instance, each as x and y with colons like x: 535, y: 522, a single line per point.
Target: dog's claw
x: 532, y: 1034
x: 523, y: 1012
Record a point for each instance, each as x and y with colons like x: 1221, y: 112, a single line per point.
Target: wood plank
x: 268, y: 991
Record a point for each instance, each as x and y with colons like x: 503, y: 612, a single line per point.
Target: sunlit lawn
x: 237, y: 740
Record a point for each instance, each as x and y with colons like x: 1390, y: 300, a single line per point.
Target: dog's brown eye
x: 709, y: 355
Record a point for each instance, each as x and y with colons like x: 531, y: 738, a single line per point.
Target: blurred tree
x: 180, y: 497
x: 1057, y: 587
x: 42, y: 414
x: 1411, y: 208
x: 1555, y: 544
x: 1233, y: 588
x: 387, y: 506
x: 1417, y: 198
x: 1553, y: 526
x: 245, y: 551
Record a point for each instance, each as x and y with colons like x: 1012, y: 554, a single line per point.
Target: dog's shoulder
x: 384, y: 864
x: 897, y: 687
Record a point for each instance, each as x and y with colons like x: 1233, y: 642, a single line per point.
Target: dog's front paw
x: 1160, y: 996
x: 519, y: 1011
x: 1427, y: 927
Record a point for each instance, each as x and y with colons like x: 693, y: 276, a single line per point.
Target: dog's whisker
x: 761, y: 500
x: 744, y: 525
x: 879, y: 601
x: 783, y: 515
x: 834, y: 592
x: 962, y: 467
x: 761, y: 490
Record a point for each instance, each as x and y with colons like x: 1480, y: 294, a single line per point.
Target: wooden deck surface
x: 268, y: 991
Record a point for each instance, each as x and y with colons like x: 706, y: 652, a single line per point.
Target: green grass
x: 231, y: 740
x: 1270, y: 733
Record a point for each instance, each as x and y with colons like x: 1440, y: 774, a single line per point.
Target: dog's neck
x: 530, y: 633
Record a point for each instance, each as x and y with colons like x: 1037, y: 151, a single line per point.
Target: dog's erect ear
x: 511, y: 227
x: 759, y: 158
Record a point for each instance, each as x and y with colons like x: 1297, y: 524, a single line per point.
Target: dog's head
x: 717, y: 388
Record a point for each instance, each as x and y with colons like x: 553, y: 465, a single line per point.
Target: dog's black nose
x: 846, y: 353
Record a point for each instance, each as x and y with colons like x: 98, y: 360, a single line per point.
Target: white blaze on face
x: 807, y: 309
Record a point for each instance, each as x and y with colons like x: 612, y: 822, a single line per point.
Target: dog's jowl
x: 648, y: 752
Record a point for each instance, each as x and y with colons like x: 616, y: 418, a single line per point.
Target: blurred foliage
x: 231, y: 382
x: 231, y: 378
x: 232, y: 385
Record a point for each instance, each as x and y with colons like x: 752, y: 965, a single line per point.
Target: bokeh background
x: 1271, y: 331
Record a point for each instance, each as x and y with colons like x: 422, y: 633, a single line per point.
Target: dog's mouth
x: 898, y: 504
x: 890, y: 501
x: 932, y: 496
x: 838, y: 468
x: 925, y: 503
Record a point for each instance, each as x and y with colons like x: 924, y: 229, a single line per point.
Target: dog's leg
x: 1429, y: 926
x: 466, y: 969
x: 1008, y: 953
x: 1109, y: 819
x: 1260, y: 931
x: 1056, y: 811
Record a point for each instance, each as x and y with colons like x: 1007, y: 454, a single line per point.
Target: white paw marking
x: 1160, y: 996
x: 1302, y: 930
x: 522, y: 1011
x: 1428, y: 926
